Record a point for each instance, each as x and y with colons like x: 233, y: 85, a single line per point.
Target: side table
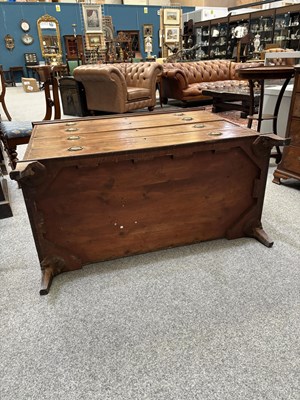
x: 15, y: 70
x: 260, y: 75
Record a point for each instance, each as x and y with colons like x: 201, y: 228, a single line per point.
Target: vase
x: 256, y: 42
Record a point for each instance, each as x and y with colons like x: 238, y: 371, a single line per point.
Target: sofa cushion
x: 135, y: 93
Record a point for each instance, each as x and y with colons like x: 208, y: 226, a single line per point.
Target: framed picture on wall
x: 93, y: 40
x: 171, y: 34
x: 171, y: 16
x: 92, y: 16
x: 148, y: 30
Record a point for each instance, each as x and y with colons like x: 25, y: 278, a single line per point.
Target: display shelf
x: 218, y: 38
x: 276, y: 27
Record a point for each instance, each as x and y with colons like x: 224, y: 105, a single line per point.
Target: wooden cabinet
x: 289, y: 166
x: 73, y: 46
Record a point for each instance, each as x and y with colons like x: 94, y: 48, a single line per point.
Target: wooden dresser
x: 289, y: 167
x: 103, y: 188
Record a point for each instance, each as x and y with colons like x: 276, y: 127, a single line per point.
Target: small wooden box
x: 102, y: 188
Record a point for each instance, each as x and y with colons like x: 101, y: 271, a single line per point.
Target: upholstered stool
x: 12, y: 134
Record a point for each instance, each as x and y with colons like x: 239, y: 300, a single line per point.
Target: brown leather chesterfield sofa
x: 119, y: 88
x: 185, y: 80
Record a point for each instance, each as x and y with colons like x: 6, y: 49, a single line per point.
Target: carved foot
x: 262, y: 237
x: 47, y: 277
x: 278, y: 175
x: 151, y: 108
x: 50, y: 266
x: 276, y: 180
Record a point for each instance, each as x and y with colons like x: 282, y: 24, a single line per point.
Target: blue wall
x: 123, y: 17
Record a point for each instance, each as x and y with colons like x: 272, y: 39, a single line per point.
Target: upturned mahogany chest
x: 103, y: 188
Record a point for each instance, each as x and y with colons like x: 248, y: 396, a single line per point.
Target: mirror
x: 49, y: 36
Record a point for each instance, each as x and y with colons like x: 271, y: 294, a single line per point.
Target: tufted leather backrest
x: 203, y: 71
x: 138, y: 74
x: 235, y: 66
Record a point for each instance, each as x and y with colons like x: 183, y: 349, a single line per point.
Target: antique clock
x: 24, y: 26
x: 27, y: 39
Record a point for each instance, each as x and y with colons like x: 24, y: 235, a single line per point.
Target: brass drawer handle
x: 75, y: 148
x: 71, y: 129
x: 73, y: 137
x: 71, y: 123
x: 215, y: 133
x: 199, y: 126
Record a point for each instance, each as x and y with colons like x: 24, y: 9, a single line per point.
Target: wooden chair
x: 15, y: 133
x: 2, y: 94
x: 243, y: 45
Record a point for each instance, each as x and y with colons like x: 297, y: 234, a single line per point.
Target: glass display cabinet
x: 202, y: 34
x: 238, y: 28
x: 218, y: 38
x: 261, y: 24
x: 287, y: 28
x: 243, y: 37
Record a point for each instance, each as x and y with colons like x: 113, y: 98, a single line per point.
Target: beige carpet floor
x: 217, y: 320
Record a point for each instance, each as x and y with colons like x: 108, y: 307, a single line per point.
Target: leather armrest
x: 103, y: 84
x: 177, y: 75
x: 91, y: 74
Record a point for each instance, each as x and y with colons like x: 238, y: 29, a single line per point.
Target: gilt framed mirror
x: 49, y: 36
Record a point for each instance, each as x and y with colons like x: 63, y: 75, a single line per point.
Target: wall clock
x: 27, y: 39
x: 25, y: 25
